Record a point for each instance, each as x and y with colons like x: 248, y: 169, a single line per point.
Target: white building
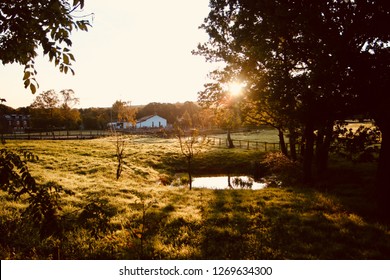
x: 120, y: 125
x: 154, y: 121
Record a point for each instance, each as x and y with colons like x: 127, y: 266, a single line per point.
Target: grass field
x: 140, y: 216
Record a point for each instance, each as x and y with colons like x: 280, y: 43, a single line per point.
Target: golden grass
x: 279, y: 223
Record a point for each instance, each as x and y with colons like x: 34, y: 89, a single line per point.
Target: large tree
x: 26, y: 25
x: 310, y: 61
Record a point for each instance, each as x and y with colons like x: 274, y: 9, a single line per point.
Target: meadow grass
x: 140, y: 216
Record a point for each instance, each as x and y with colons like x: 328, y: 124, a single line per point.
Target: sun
x: 235, y: 88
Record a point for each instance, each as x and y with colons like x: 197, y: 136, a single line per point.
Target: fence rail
x: 249, y: 144
x: 56, y: 135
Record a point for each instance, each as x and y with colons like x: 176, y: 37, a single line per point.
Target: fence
x: 249, y: 144
x: 57, y: 135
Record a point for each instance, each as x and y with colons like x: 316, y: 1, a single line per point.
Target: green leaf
x: 65, y: 57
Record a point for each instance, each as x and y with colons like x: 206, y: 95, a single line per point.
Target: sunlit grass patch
x: 142, y: 216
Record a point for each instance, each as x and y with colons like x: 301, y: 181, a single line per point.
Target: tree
x: 190, y: 146
x: 304, y: 61
x: 95, y: 118
x: 44, y: 108
x: 226, y: 106
x: 69, y: 99
x: 123, y: 111
x: 26, y: 25
x: 70, y: 117
x: 50, y: 111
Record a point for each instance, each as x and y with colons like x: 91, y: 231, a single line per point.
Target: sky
x: 137, y: 51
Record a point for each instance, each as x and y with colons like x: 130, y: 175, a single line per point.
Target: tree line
x: 51, y: 110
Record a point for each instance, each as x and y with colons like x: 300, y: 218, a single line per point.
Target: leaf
x: 68, y: 42
x: 65, y: 58
x: 26, y: 75
x: 71, y: 56
x: 76, y: 2
x: 26, y: 83
x: 33, y: 88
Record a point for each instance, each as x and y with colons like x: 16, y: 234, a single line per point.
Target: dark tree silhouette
x: 308, y: 63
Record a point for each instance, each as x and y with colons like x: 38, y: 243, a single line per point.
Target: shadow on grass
x: 296, y: 225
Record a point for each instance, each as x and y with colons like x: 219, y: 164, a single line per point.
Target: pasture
x: 141, y: 216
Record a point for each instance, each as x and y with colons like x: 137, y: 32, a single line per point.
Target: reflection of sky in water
x: 221, y: 182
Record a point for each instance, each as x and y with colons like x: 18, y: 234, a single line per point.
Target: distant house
x: 17, y: 122
x: 153, y: 121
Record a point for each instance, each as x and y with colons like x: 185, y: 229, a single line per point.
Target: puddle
x: 222, y: 182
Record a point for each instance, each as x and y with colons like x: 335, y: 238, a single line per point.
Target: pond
x: 227, y: 182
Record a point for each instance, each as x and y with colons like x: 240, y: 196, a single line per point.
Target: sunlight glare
x: 235, y: 88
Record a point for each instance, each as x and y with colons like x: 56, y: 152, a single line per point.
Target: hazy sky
x: 138, y: 51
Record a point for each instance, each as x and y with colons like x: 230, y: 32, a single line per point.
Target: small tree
x: 190, y: 146
x: 120, y: 148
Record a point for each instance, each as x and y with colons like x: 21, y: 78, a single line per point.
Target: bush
x: 361, y: 145
x: 283, y: 168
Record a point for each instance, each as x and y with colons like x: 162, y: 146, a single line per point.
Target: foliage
x: 95, y: 216
x: 26, y: 25
x: 285, y: 169
x: 123, y: 112
x: 359, y: 145
x: 50, y: 110
x: 43, y: 207
x: 305, y: 65
x: 15, y: 177
x: 95, y: 118
x: 43, y: 200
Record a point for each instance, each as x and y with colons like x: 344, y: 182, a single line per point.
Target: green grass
x: 269, y: 135
x: 140, y: 217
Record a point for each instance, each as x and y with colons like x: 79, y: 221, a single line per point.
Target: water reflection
x: 227, y: 182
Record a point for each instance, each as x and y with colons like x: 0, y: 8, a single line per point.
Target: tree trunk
x: 382, y: 183
x: 308, y: 153
x: 293, y: 148
x: 230, y: 143
x: 189, y: 165
x: 282, y: 143
x: 324, y: 140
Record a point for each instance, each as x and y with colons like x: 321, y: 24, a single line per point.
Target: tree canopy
x: 26, y: 25
x: 306, y: 64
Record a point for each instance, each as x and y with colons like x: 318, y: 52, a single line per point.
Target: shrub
x: 285, y: 169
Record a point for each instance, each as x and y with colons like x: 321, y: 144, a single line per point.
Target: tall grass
x: 140, y: 216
